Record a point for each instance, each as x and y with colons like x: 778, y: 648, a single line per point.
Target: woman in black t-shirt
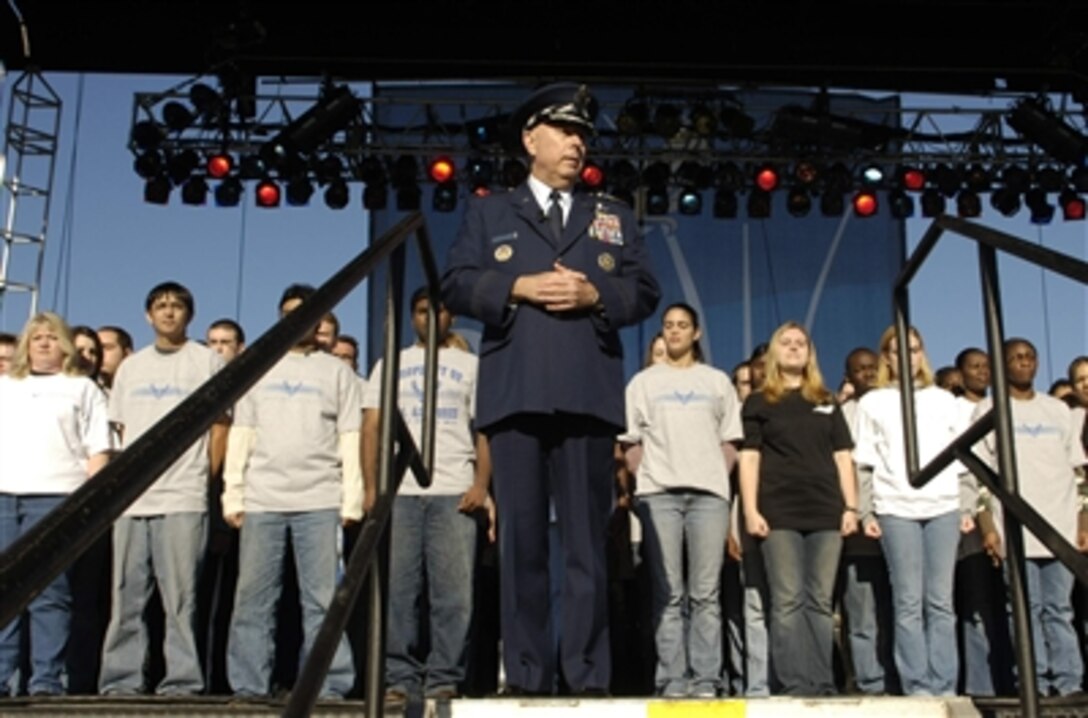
x: 799, y: 493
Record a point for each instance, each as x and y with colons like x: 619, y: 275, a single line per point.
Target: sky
x: 106, y: 247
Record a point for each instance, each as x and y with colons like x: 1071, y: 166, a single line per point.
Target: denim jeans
x: 50, y: 612
x: 167, y: 550
x: 980, y: 606
x: 700, y: 523
x: 1058, y: 664
x: 432, y: 539
x: 801, y: 570
x: 921, y: 558
x: 867, y: 608
x: 314, y: 537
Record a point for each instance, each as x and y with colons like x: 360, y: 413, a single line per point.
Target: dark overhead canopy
x: 939, y: 46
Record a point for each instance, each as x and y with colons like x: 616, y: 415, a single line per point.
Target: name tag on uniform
x: 508, y: 237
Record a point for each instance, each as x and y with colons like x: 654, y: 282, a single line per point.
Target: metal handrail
x: 37, y: 557
x: 1005, y: 483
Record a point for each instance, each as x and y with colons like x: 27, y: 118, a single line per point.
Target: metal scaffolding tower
x: 29, y: 161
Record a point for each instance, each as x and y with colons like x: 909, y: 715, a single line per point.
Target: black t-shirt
x: 798, y: 481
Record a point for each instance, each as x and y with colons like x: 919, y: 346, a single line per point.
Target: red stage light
x: 1073, y: 206
x: 914, y: 179
x: 268, y: 194
x: 441, y: 169
x: 865, y: 204
x: 767, y: 178
x: 481, y: 191
x: 592, y: 175
x: 219, y: 165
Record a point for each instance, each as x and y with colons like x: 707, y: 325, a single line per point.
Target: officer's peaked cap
x: 558, y: 103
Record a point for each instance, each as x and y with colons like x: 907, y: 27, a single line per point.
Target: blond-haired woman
x: 918, y: 528
x: 54, y: 434
x: 800, y: 498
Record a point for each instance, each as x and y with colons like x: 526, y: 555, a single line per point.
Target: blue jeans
x: 700, y: 522
x: 1058, y: 664
x: 431, y: 538
x: 50, y: 612
x: 980, y: 607
x: 801, y: 570
x: 866, y: 605
x: 921, y: 558
x: 167, y: 550
x: 314, y: 537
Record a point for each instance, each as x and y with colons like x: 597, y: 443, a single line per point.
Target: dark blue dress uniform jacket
x: 531, y: 360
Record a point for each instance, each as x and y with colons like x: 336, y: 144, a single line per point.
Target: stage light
x: 656, y: 174
x: 336, y: 194
x: 404, y: 172
x: 592, y: 176
x: 912, y: 179
x: 298, y: 191
x: 1073, y: 206
x: 371, y: 170
x: 978, y: 178
x: 838, y: 179
x: 1050, y: 179
x: 157, y: 190
x: 933, y: 203
x: 1042, y: 212
x: 332, y: 113
x: 667, y: 120
x: 445, y: 197
x: 176, y: 116
x: 657, y: 201
x: 441, y: 169
x: 328, y: 168
x: 694, y: 174
x: 1032, y: 119
x: 483, y: 133
x: 766, y: 178
x: 1006, y: 201
x: 865, y: 203
x: 806, y: 173
x: 725, y: 204
x: 968, y: 204
x: 514, y: 172
x: 194, y: 191
x: 147, y: 135
x: 181, y: 165
x: 759, y: 204
x: 267, y: 194
x: 252, y: 167
x: 728, y: 176
x: 690, y: 201
x: 219, y: 165
x: 798, y: 202
x: 148, y: 164
x: 900, y: 204
x: 1017, y: 179
x: 375, y: 196
x: 208, y: 102
x: 872, y: 175
x: 622, y: 176
x: 948, y: 180
x: 632, y: 119
x: 408, y: 198
x: 228, y: 193
x: 1079, y: 178
x: 481, y: 173
x: 703, y: 121
x: 832, y: 203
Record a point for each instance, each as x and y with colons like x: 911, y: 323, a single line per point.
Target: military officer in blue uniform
x: 552, y: 275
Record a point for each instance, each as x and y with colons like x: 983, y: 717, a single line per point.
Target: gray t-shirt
x: 149, y: 385
x: 1047, y: 450
x: 299, y: 409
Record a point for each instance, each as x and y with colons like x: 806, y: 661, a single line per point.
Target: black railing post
x: 1006, y: 464
x: 906, y: 376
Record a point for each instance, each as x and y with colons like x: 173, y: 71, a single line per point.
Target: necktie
x: 555, y: 216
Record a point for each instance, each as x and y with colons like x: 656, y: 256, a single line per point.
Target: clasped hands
x: 560, y: 290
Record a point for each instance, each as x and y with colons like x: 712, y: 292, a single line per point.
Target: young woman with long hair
x: 919, y: 529
x: 682, y: 419
x: 800, y: 498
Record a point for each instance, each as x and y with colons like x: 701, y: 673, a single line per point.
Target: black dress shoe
x: 592, y: 693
